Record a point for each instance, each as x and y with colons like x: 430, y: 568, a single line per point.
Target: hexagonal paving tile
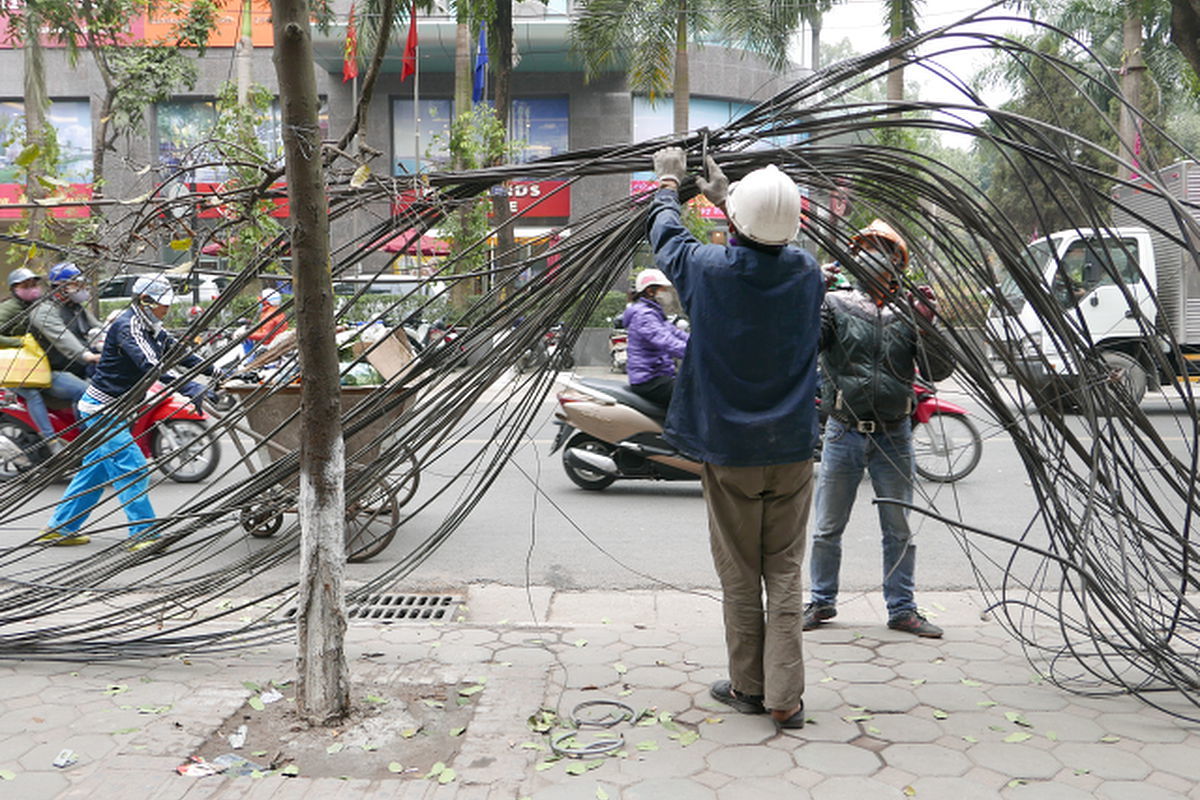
x: 838, y: 653
x: 903, y: 728
x: 1177, y: 759
x: 936, y: 788
x: 1016, y: 760
x: 1145, y: 727
x: 762, y: 789
x: 861, y: 673
x: 838, y: 759
x: 738, y: 729
x: 1103, y: 761
x: 925, y: 759
x: 952, y: 697
x: 746, y: 761
x: 841, y: 788
x: 1135, y: 790
x: 1030, y: 698
x: 674, y: 788
x: 880, y: 698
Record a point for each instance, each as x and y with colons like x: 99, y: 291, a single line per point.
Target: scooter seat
x: 626, y: 396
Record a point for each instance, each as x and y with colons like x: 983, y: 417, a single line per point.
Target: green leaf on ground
x: 620, y: 668
x: 986, y: 703
x: 408, y: 733
x: 257, y: 704
x: 1052, y: 736
x: 649, y: 744
x: 252, y: 686
x: 859, y: 718
x: 871, y: 729
x: 433, y: 703
x: 447, y: 776
x: 467, y: 691
x: 1015, y: 718
x: 1018, y: 736
x: 939, y: 714
x: 969, y: 682
x: 542, y: 720
x: 1082, y: 771
x: 688, y: 737
x: 919, y: 681
x: 336, y: 747
x: 1110, y: 739
x: 374, y: 698
x: 395, y: 766
x: 601, y: 794
x: 970, y: 739
x: 1015, y: 782
x: 577, y: 768
x: 605, y: 621
x: 532, y: 746
x: 436, y: 769
x: 545, y: 765
x: 458, y: 731
x: 826, y: 679
x: 581, y: 642
x: 7, y: 775
x: 291, y: 770
x: 625, y: 692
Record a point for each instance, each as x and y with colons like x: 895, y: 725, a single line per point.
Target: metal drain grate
x: 405, y: 607
x: 389, y: 607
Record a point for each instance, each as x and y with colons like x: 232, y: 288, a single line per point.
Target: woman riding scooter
x: 654, y: 343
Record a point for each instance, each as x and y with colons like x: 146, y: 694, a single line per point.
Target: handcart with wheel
x: 374, y: 496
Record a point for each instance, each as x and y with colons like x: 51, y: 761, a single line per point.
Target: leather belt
x: 869, y: 425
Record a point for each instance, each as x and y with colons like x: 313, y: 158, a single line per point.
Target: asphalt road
x: 534, y: 526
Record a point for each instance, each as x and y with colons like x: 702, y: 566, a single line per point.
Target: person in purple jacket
x: 654, y: 343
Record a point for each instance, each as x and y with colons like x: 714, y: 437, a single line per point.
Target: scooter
x: 618, y: 345
x: 170, y: 430
x: 607, y: 432
x: 546, y: 350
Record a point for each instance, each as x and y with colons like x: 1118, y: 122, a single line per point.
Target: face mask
x: 28, y: 294
x: 80, y: 296
x: 877, y: 268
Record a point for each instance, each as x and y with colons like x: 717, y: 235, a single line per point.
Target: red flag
x: 350, y: 52
x: 409, y: 65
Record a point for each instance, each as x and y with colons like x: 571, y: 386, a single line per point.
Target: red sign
x: 11, y: 193
x: 213, y: 208
x: 539, y: 199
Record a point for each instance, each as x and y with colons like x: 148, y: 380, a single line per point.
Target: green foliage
x: 236, y: 144
x: 612, y: 304
x: 144, y: 76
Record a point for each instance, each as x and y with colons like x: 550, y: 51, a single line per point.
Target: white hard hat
x: 156, y: 287
x: 270, y: 296
x: 765, y: 206
x: 649, y: 277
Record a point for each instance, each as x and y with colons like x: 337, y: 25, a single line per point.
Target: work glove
x: 197, y: 392
x: 716, y: 186
x: 924, y: 302
x: 670, y: 164
x: 831, y: 272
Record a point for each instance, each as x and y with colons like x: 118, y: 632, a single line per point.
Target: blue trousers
x: 118, y: 459
x: 64, y: 386
x: 887, y: 457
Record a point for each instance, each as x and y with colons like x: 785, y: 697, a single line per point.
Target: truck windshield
x: 1035, y: 258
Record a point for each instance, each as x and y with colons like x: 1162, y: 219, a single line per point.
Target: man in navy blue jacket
x: 134, y: 346
x: 744, y: 405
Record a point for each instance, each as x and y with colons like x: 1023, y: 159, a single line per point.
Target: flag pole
x: 417, y: 120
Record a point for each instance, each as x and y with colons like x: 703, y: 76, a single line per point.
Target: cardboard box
x: 392, y: 356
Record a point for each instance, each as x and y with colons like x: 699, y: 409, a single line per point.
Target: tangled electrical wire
x: 1098, y: 584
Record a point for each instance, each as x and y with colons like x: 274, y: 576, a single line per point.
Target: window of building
x: 72, y: 123
x: 435, y: 123
x: 541, y: 125
x: 183, y: 128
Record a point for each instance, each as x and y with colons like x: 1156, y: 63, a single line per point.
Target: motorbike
x: 608, y: 432
x: 618, y: 344
x: 546, y: 350
x: 169, y: 429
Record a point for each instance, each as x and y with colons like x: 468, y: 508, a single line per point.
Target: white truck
x: 1108, y: 280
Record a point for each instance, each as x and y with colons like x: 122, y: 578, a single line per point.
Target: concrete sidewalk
x: 891, y: 716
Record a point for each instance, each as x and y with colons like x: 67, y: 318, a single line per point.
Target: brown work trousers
x: 757, y: 518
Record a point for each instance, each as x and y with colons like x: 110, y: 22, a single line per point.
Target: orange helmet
x: 883, y: 237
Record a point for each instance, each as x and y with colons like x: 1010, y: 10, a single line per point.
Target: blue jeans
x: 63, y: 386
x: 888, y: 458
x: 116, y: 458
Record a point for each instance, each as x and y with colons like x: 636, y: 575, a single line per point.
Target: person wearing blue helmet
x: 28, y: 310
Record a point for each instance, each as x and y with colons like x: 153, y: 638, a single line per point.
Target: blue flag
x: 481, y: 61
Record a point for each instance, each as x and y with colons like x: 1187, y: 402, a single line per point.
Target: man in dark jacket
x: 870, y: 351
x: 64, y: 325
x: 744, y: 406
x: 134, y: 346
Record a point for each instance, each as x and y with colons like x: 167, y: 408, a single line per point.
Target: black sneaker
x: 745, y: 703
x: 912, y: 622
x: 815, y: 614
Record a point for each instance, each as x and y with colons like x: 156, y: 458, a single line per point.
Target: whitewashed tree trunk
x: 322, y: 688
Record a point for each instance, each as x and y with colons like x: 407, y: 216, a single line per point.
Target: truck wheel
x: 1124, y: 370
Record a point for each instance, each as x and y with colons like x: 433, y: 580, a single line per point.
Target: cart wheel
x: 406, y: 477
x: 371, y: 521
x: 262, y: 521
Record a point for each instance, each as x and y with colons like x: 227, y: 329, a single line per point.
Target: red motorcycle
x: 946, y: 444
x: 170, y: 429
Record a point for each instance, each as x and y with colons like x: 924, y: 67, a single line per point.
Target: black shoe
x: 912, y: 622
x: 815, y: 614
x: 745, y: 703
x: 795, y: 721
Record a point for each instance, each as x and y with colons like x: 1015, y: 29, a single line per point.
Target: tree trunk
x: 1133, y: 71
x: 36, y: 104
x: 501, y: 59
x: 322, y: 688
x: 1185, y: 31
x: 462, y: 64
x: 682, y: 87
